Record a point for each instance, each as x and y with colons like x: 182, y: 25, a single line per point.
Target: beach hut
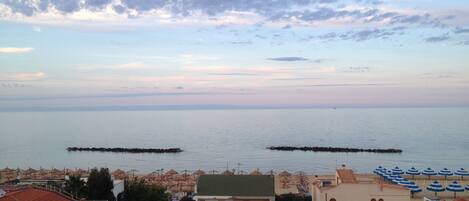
x: 413, y: 172
x: 436, y: 187
x: 461, y: 172
x: 256, y: 172
x: 429, y: 172
x: 455, y: 187
x: 397, y: 170
x: 445, y: 172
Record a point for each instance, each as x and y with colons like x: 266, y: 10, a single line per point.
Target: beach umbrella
x: 398, y: 179
x: 429, y: 172
x: 392, y: 177
x: 397, y: 170
x: 467, y: 187
x: 413, y: 189
x: 436, y: 187
x: 378, y: 170
x: 462, y: 172
x: 412, y: 171
x: 405, y: 182
x: 445, y: 172
x: 455, y: 187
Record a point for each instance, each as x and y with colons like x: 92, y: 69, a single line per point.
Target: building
x: 347, y: 186
x: 235, y: 188
x: 34, y: 194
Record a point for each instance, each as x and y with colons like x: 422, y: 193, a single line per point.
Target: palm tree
x: 75, y: 186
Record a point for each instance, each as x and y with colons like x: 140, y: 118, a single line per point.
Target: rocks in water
x: 125, y: 150
x: 332, y: 149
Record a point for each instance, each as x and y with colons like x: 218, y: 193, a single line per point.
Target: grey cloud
x: 464, y: 42
x: 287, y: 59
x: 435, y: 39
x: 24, y: 7
x: 460, y: 30
x: 274, y: 10
x: 361, y: 35
x: 97, y: 4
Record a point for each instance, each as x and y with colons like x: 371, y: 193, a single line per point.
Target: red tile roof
x: 34, y: 194
x: 347, y: 176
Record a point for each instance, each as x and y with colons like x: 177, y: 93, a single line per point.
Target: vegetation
x: 100, y: 185
x: 333, y: 149
x: 137, y: 190
x: 126, y: 150
x: 292, y: 197
x: 186, y: 198
x: 76, y: 186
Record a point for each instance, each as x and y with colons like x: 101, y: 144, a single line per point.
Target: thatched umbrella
x: 171, y: 172
x: 198, y: 172
x: 256, y: 172
x: 119, y: 174
x: 227, y: 172
x: 285, y: 174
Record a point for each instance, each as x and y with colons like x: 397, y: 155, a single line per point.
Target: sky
x: 79, y: 54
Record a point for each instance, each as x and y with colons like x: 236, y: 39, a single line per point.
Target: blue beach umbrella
x: 462, y: 172
x: 455, y: 187
x: 397, y: 170
x: 445, y: 172
x: 412, y: 171
x: 436, y: 187
x: 429, y: 172
x: 398, y: 179
x: 467, y: 187
x: 405, y: 182
x: 413, y: 189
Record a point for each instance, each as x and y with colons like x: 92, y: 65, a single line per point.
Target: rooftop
x: 34, y: 194
x: 236, y: 185
x: 347, y: 176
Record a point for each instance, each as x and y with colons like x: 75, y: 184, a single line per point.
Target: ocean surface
x: 237, y: 139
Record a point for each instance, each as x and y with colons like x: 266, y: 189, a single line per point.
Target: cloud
x: 361, y: 35
x: 23, y: 76
x: 123, y: 66
x: 287, y: 59
x: 15, y: 50
x: 460, y: 30
x: 328, y: 70
x: 287, y: 13
x: 435, y: 39
x: 359, y: 69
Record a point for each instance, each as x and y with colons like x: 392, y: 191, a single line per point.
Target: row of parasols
x: 394, y: 175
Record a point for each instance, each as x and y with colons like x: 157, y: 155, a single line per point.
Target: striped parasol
x: 445, y: 172
x: 461, y: 172
x: 455, y: 187
x: 412, y: 171
x: 429, y: 172
x: 413, y: 188
x: 397, y: 170
x: 436, y: 187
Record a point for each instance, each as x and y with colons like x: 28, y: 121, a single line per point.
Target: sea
x: 237, y: 139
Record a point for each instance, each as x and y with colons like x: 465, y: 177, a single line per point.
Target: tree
x: 76, y: 186
x: 137, y: 190
x: 100, y: 185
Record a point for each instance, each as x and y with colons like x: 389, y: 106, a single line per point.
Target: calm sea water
x: 215, y: 139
